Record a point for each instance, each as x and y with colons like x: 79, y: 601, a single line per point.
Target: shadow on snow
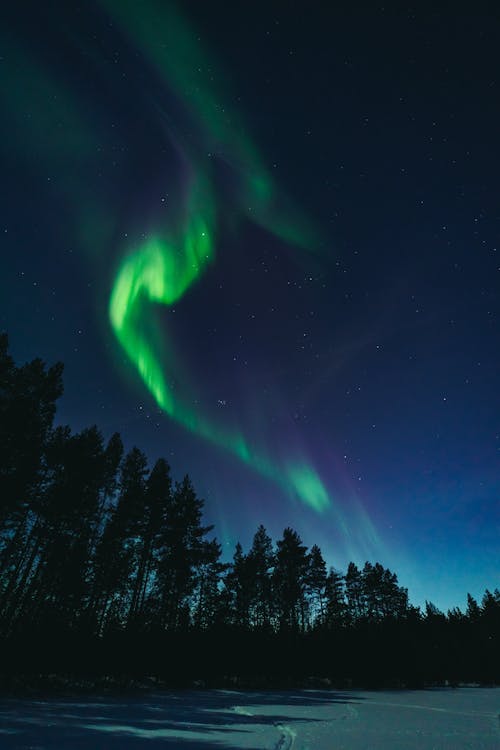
x: 184, y: 719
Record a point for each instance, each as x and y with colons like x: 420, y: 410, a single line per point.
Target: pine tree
x: 207, y: 600
x: 260, y: 564
x: 354, y: 593
x: 151, y: 527
x: 290, y: 581
x: 316, y: 583
x: 335, y: 603
x: 382, y: 596
x: 238, y: 587
x: 117, y: 555
x: 50, y: 582
x: 433, y: 613
x: 473, y: 612
x: 180, y: 552
x: 70, y: 515
x: 28, y: 396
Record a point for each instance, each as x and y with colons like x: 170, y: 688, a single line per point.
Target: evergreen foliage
x: 106, y: 567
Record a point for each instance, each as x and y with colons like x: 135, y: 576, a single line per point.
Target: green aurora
x: 160, y: 270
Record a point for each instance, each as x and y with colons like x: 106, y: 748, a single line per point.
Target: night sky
x: 265, y: 241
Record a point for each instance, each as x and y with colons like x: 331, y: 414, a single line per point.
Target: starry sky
x: 265, y: 241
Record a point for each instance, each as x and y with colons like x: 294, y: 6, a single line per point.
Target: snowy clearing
x: 437, y: 719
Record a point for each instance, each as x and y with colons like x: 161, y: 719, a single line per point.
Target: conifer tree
x: 117, y: 555
x: 354, y: 593
x: 290, y: 581
x: 207, y: 600
x: 316, y: 582
x: 28, y: 396
x: 260, y: 564
x: 473, y: 611
x: 238, y: 590
x: 180, y: 551
x: 335, y: 603
x: 70, y: 513
x: 150, y: 529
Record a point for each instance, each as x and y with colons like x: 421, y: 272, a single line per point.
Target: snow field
x: 437, y: 719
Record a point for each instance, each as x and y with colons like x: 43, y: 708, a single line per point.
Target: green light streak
x: 158, y: 273
x: 55, y: 129
x: 160, y: 270
x: 308, y: 485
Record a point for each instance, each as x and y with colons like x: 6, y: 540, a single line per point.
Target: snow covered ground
x: 437, y: 719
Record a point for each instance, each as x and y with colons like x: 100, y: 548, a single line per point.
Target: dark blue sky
x: 377, y: 357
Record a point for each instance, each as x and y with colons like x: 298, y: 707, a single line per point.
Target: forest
x: 108, y: 573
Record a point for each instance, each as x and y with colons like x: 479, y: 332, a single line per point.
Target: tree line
x: 107, y: 568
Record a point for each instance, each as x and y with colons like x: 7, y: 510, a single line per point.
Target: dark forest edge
x: 109, y: 578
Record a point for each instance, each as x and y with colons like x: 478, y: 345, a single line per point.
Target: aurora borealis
x: 264, y: 243
x: 164, y: 267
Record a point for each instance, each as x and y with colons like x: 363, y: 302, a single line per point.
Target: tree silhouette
x: 237, y: 593
x: 335, y: 603
x: 180, y: 551
x: 28, y: 396
x: 260, y: 563
x: 102, y: 558
x: 206, y: 598
x: 354, y: 593
x: 316, y: 583
x: 290, y: 581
